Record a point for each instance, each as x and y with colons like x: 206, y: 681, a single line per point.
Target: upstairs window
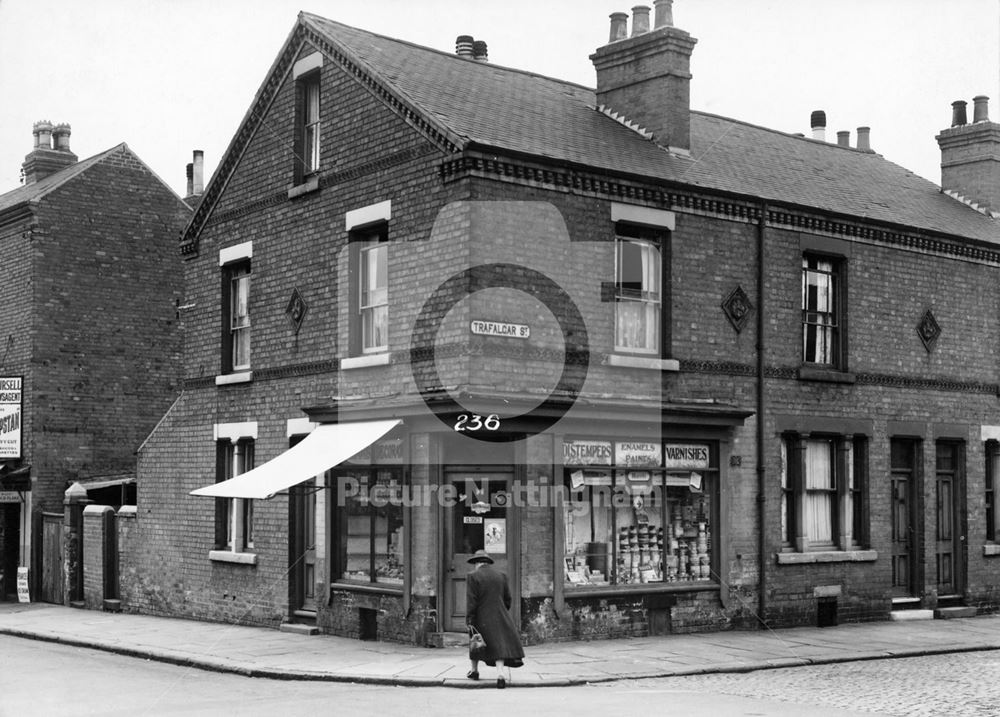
x: 310, y: 124
x: 638, y: 293
x: 822, y: 311
x: 307, y: 73
x: 373, y: 301
x: 236, y: 317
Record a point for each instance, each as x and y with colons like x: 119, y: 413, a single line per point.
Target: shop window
x: 236, y: 317
x: 233, y: 516
x: 639, y: 272
x: 633, y: 527
x: 992, y: 464
x: 822, y: 311
x: 369, y: 326
x: 368, y: 526
x: 822, y: 496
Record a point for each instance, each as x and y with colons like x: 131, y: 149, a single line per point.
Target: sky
x: 171, y: 76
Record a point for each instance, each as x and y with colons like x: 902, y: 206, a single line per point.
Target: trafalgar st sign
x: 11, y: 406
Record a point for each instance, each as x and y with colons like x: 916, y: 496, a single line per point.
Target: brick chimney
x: 48, y: 157
x: 645, y: 78
x: 970, y: 155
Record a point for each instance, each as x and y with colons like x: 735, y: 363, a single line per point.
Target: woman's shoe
x: 473, y: 675
x: 501, y: 683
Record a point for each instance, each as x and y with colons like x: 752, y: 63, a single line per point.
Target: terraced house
x: 674, y: 371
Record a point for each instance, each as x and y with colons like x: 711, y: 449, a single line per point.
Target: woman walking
x: 487, y: 608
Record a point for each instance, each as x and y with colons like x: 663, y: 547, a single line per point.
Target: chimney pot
x: 864, y: 139
x: 198, y: 173
x: 640, y: 20
x: 61, y: 133
x: 981, y: 108
x: 479, y: 51
x: 664, y: 13
x: 43, y: 131
x: 817, y: 120
x: 958, y: 116
x: 464, y: 46
x: 619, y: 28
x: 844, y: 138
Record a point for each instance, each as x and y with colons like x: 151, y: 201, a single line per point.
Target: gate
x: 51, y: 583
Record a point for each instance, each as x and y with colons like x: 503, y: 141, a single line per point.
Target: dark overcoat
x: 487, y: 609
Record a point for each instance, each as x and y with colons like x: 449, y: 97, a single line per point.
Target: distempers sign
x: 10, y: 417
x: 685, y: 455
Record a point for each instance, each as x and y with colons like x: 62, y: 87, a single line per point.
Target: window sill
x: 365, y: 361
x: 571, y: 591
x: 228, y: 556
x: 370, y: 588
x: 310, y: 184
x: 230, y: 378
x: 828, y: 556
x: 826, y: 375
x: 650, y: 362
x: 991, y: 549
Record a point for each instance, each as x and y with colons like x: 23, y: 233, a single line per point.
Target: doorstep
x: 900, y: 615
x: 298, y: 628
x: 947, y: 613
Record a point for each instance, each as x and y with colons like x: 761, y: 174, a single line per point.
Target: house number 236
x: 475, y: 422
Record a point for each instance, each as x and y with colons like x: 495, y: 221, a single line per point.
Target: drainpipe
x: 761, y: 470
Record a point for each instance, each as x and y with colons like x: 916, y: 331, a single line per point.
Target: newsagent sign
x: 10, y: 417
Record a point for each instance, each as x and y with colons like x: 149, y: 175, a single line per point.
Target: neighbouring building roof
x: 36, y: 190
x: 479, y: 104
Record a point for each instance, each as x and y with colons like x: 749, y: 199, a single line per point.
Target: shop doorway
x: 948, y: 544
x: 905, y: 523
x: 478, y: 519
x: 10, y: 545
x: 302, y: 557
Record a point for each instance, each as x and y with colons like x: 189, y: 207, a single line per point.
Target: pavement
x: 270, y: 653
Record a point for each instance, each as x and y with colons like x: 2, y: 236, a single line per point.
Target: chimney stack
x: 864, y: 139
x: 970, y: 155
x: 190, y: 180
x: 817, y: 120
x: 645, y: 78
x: 46, y: 159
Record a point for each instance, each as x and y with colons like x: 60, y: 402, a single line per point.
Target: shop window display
x: 628, y: 527
x: 369, y: 528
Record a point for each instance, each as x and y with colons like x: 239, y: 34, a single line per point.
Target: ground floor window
x: 234, y: 516
x: 628, y: 527
x: 822, y: 491
x: 367, y: 526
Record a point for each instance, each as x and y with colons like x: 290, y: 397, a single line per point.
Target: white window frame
x: 373, y: 302
x: 647, y: 299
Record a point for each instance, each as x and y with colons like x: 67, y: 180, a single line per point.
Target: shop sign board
x: 587, y: 453
x: 388, y: 452
x: 685, y: 455
x: 22, y: 585
x: 500, y: 328
x: 10, y: 417
x: 637, y: 454
x: 9, y: 496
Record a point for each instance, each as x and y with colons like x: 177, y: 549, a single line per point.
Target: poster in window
x: 495, y: 535
x: 10, y: 417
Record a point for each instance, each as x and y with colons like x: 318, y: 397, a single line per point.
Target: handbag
x: 477, y: 644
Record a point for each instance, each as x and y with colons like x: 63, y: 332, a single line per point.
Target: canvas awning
x: 327, y: 446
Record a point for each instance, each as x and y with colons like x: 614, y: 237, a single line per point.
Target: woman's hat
x: 480, y: 556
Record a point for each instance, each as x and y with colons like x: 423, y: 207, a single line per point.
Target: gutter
x: 761, y: 466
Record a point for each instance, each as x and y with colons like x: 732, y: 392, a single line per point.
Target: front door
x: 949, y: 534
x: 476, y: 520
x: 904, y: 492
x: 303, y: 552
